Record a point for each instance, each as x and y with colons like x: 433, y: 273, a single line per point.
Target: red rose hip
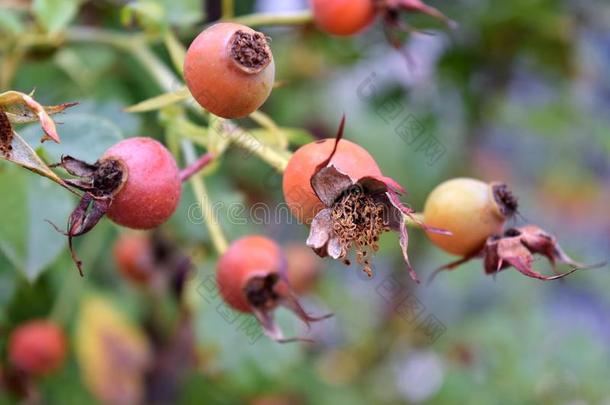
x: 229, y: 70
x: 349, y: 158
x: 37, y: 347
x: 251, y: 277
x: 151, y: 191
x: 133, y: 257
x: 343, y: 17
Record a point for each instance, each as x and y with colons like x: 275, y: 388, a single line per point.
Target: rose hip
x: 251, y: 277
x: 37, y: 347
x: 229, y: 70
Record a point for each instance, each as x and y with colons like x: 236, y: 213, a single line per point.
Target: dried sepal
x: 356, y: 212
x: 265, y: 294
x: 338, y: 137
x: 539, y: 241
x: 83, y: 219
x: 328, y: 184
x: 319, y: 233
x: 516, y: 248
x: 76, y: 167
x: 99, y: 182
x: 392, y: 9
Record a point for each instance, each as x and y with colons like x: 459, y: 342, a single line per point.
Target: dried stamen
x: 260, y: 291
x: 108, y: 177
x: 358, y: 220
x: 264, y: 294
x: 506, y: 199
x: 250, y: 51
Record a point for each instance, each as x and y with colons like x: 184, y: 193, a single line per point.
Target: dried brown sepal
x: 516, y: 248
x: 541, y: 242
x: 76, y: 167
x: 265, y: 294
x: 356, y: 213
x: 391, y: 10
x: 100, y: 182
x: 507, y: 202
x: 338, y: 137
x: 394, y: 26
x: 250, y: 51
x: 83, y: 219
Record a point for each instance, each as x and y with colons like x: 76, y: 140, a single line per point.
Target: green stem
x: 297, y: 18
x: 228, y: 9
x: 127, y: 42
x: 218, y: 239
x: 269, y: 155
x: 415, y: 220
x: 267, y: 122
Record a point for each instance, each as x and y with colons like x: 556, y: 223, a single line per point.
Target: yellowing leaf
x: 113, y: 354
x: 21, y: 108
x: 22, y: 154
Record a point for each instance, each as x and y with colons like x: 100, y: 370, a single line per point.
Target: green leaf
x: 26, y: 239
x: 164, y: 100
x: 55, y: 15
x: 23, y: 155
x: 183, y: 12
x: 159, y: 14
x: 176, y: 50
x: 149, y: 13
x: 11, y: 22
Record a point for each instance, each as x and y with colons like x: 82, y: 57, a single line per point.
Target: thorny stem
x: 218, y: 239
x: 195, y: 167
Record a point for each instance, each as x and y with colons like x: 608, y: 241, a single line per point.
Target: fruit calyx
x: 103, y: 179
x: 391, y: 9
x: 508, y: 204
x: 265, y: 292
x: 250, y: 51
x: 100, y: 181
x: 516, y: 247
x: 356, y: 213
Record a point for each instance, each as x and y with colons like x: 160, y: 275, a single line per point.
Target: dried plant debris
x: 6, y: 136
x: 99, y: 182
x: 516, y: 248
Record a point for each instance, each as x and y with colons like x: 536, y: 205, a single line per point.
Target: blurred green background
x: 519, y: 93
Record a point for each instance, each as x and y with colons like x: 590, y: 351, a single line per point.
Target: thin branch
x: 228, y: 9
x: 266, y: 19
x: 196, y: 167
x: 216, y: 234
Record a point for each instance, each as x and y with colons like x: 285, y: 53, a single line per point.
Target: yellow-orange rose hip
x: 471, y: 210
x: 229, y: 70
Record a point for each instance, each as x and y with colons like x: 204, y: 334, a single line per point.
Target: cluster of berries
x: 334, y: 186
